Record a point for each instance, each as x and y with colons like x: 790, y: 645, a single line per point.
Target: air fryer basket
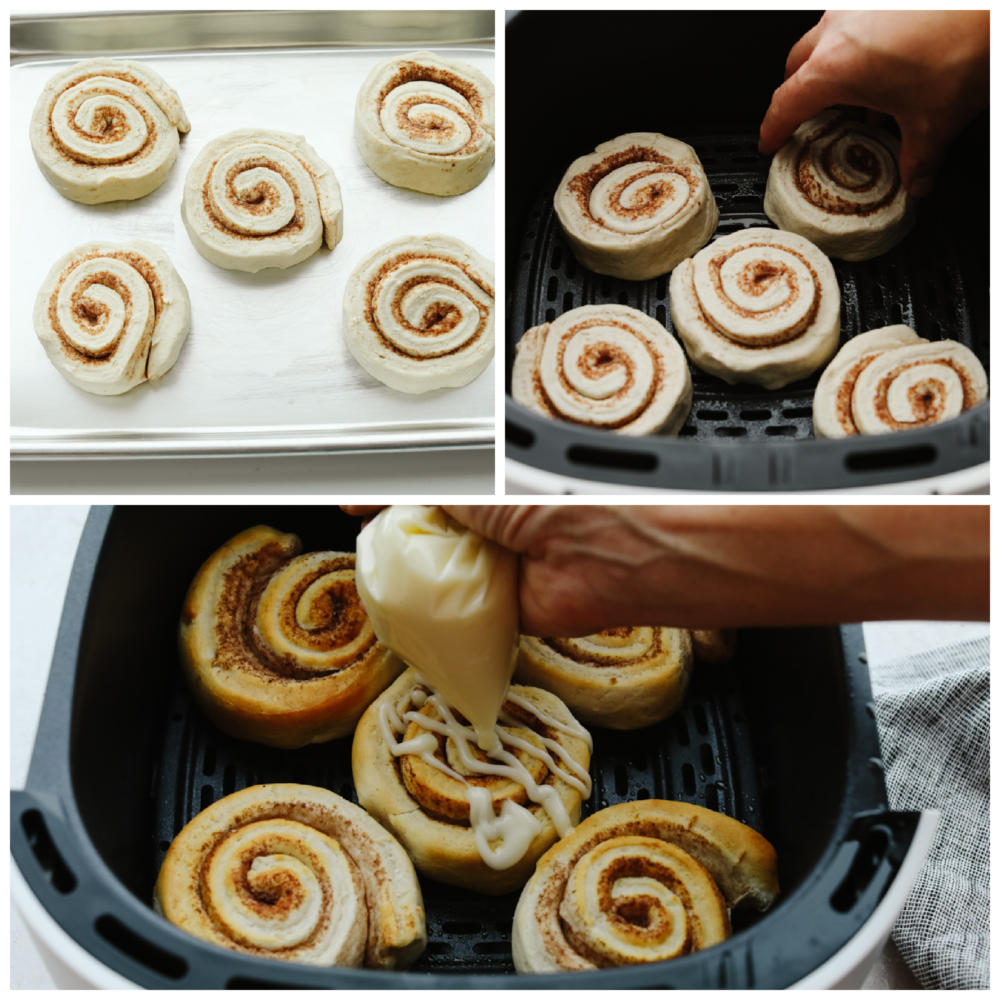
x: 784, y: 739
x: 740, y: 437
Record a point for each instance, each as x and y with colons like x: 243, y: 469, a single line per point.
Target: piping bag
x: 444, y: 600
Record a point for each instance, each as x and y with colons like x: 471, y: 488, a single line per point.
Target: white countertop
x: 43, y: 545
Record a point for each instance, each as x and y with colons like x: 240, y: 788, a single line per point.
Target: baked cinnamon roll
x: 107, y: 129
x: 419, y: 313
x: 112, y: 315
x: 295, y: 873
x: 606, y: 366
x: 640, y: 882
x: 759, y: 306
x: 427, y: 123
x: 257, y: 198
x: 636, y: 206
x: 276, y: 646
x: 836, y: 182
x: 467, y: 817
x: 621, y: 678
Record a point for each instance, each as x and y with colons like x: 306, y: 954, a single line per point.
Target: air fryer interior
x: 707, y: 77
x: 781, y: 739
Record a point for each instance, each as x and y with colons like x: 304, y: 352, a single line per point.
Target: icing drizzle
x: 515, y: 827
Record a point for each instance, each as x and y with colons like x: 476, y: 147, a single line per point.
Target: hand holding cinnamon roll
x: 107, y: 129
x: 112, y: 315
x: 276, y: 646
x: 759, y: 306
x: 836, y: 182
x: 257, y: 198
x: 640, y: 882
x: 419, y: 313
x: 606, y: 366
x: 296, y: 873
x: 636, y: 206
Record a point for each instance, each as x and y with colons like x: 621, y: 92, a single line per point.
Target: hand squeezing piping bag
x: 444, y: 600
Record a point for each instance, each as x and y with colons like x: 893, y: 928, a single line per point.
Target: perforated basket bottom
x: 936, y: 281
x: 702, y: 755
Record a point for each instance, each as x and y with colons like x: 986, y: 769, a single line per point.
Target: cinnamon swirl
x: 255, y: 198
x: 759, y: 306
x: 621, y: 678
x: 917, y: 385
x: 427, y: 123
x: 112, y: 315
x: 636, y: 206
x: 419, y: 313
x: 106, y: 129
x: 295, y: 873
x: 606, y: 366
x: 640, y: 882
x: 419, y: 771
x: 836, y: 182
x: 276, y: 646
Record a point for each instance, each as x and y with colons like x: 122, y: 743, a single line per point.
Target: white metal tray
x: 265, y: 369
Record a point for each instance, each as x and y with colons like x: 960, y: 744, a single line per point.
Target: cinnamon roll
x: 636, y: 206
x: 833, y: 415
x: 419, y: 313
x: 917, y: 385
x: 427, y: 123
x: 276, y: 646
x: 836, y: 182
x: 714, y: 645
x: 112, y: 315
x: 621, y: 678
x: 255, y: 198
x: 295, y: 873
x: 640, y: 882
x: 759, y: 306
x: 107, y: 129
x: 606, y: 366
x: 472, y: 818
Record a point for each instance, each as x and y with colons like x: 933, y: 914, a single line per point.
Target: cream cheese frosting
x: 112, y: 315
x: 426, y: 122
x: 419, y: 313
x: 106, y: 130
x: 257, y: 198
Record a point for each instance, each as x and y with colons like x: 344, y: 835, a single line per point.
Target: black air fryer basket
x: 706, y: 77
x: 783, y: 739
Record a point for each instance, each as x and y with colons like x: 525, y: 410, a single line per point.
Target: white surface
x: 43, y: 546
x: 428, y: 473
x: 266, y: 351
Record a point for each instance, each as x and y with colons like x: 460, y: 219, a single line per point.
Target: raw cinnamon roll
x: 833, y: 415
x: 427, y: 123
x: 640, y: 882
x: 112, y: 315
x: 757, y: 306
x: 276, y: 646
x: 636, y: 206
x: 419, y: 771
x: 419, y: 313
x: 621, y: 678
x: 106, y: 129
x: 836, y: 182
x: 295, y: 873
x: 917, y: 385
x: 255, y: 198
x: 606, y: 366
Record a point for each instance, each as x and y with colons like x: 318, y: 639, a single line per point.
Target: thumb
x: 920, y: 157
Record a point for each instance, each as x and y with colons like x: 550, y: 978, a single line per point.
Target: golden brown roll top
x: 621, y: 678
x: 276, y: 646
x: 640, y: 882
x: 296, y: 873
x: 466, y: 817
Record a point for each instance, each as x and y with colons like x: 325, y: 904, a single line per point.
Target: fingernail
x: 920, y: 186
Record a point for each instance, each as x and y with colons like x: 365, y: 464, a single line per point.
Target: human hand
x: 928, y: 69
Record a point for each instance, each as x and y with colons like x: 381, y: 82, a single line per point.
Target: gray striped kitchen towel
x: 933, y: 712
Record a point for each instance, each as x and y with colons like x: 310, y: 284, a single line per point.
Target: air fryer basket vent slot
x: 58, y: 873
